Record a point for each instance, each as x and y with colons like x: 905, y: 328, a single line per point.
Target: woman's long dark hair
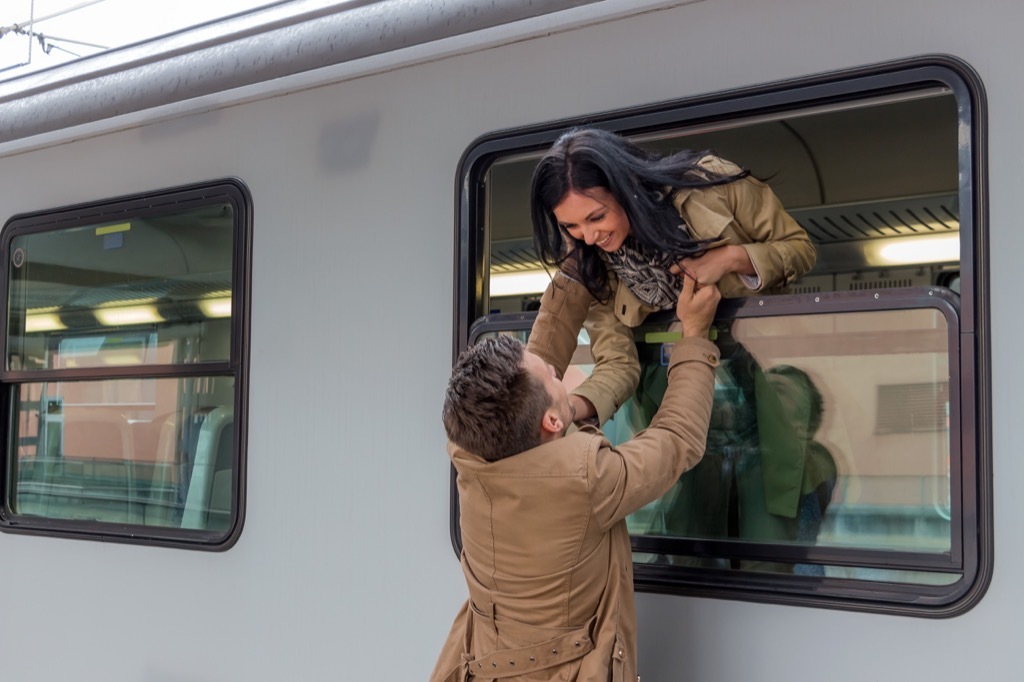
x: 586, y: 158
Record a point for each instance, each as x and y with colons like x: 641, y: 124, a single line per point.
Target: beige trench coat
x: 745, y: 212
x: 546, y: 552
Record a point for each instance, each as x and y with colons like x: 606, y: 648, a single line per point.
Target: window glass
x: 125, y: 368
x: 125, y: 451
x: 164, y: 277
x: 795, y: 454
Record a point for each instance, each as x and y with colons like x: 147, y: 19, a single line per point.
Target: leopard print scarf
x: 646, y: 273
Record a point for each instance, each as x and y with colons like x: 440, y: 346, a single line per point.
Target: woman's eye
x: 598, y: 218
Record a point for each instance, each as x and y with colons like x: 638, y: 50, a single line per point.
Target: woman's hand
x: 715, y: 264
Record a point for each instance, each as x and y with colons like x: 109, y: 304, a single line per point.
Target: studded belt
x: 528, y: 659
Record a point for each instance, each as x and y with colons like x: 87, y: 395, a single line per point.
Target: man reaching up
x: 546, y: 552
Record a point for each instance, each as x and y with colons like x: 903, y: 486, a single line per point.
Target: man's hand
x: 696, y: 307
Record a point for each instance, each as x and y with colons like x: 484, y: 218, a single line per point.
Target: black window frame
x: 118, y: 209
x: 969, y: 343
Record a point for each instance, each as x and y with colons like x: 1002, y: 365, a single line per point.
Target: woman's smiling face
x: 593, y: 217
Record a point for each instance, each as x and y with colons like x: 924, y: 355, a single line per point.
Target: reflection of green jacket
x: 792, y: 462
x: 745, y: 212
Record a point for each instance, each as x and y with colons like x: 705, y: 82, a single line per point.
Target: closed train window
x: 846, y: 464
x: 125, y: 368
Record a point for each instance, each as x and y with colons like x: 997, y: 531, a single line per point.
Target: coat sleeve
x: 565, y: 307
x: 627, y: 477
x: 616, y: 364
x: 779, y: 248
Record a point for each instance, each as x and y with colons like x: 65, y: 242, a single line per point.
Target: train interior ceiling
x: 874, y: 183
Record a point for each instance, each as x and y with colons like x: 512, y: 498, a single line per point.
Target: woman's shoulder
x: 708, y: 168
x: 718, y: 165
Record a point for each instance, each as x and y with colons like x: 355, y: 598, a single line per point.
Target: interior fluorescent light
x: 519, y: 283
x: 120, y: 359
x: 216, y: 307
x: 127, y: 315
x: 913, y: 250
x: 43, y: 322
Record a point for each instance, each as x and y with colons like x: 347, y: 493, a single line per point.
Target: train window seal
x: 232, y: 366
x: 970, y: 554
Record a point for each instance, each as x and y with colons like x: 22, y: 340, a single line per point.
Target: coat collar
x: 536, y: 460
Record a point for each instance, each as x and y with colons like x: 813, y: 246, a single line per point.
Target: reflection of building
x: 893, y: 488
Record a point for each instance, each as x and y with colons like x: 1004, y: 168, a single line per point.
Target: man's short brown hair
x: 493, y: 406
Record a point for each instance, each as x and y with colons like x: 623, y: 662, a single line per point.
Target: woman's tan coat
x: 546, y: 552
x: 745, y: 213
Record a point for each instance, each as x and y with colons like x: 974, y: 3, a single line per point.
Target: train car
x: 239, y: 261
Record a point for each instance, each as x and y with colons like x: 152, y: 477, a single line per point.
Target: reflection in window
x: 793, y: 456
x: 124, y: 451
x: 159, y: 278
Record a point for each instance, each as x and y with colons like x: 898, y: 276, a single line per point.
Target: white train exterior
x: 349, y: 132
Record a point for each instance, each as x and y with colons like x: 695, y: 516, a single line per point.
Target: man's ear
x: 552, y: 423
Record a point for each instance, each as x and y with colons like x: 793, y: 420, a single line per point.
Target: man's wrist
x: 584, y: 411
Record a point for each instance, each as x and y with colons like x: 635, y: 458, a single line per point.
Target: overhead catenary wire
x: 67, y: 10
x: 47, y: 43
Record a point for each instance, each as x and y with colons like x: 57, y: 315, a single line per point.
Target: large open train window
x: 125, y: 365
x: 847, y: 464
